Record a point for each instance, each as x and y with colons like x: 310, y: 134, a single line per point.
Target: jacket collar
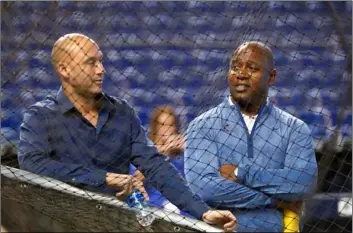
x: 66, y: 105
x: 264, y: 110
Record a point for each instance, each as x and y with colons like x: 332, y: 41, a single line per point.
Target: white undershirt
x: 249, y: 122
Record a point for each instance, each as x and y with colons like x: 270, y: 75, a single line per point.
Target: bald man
x: 246, y: 155
x: 87, y: 138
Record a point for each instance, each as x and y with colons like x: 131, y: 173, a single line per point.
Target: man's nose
x: 100, y: 69
x: 242, y: 73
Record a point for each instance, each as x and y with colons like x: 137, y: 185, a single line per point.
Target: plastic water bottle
x: 137, y: 200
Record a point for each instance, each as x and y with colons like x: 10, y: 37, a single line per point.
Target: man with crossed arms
x: 248, y: 156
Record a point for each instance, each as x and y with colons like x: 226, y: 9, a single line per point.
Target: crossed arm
x: 201, y: 171
x: 255, y: 187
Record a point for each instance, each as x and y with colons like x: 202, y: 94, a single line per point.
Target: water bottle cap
x: 139, y: 196
x: 132, y: 200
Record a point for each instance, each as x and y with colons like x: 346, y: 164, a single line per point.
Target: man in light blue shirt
x: 246, y: 155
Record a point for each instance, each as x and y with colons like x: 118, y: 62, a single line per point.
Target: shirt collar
x: 66, y: 105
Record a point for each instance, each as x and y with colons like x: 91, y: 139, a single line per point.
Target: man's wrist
x: 275, y: 203
x: 236, y: 172
x: 240, y: 172
x: 204, y: 215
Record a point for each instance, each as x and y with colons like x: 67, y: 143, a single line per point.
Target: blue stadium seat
x: 347, y: 132
x: 11, y: 118
x: 331, y: 98
x: 285, y: 77
x: 38, y: 5
x: 191, y: 100
x: 9, y: 66
x: 295, y: 99
x: 87, y: 6
x: 20, y: 6
x: 315, y: 123
x: 284, y: 7
x: 312, y: 118
x: 10, y: 135
x: 347, y: 119
x: 141, y: 102
x: 27, y: 98
x: 319, y: 7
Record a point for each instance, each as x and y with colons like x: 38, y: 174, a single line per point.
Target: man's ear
x: 63, y: 71
x: 273, y: 76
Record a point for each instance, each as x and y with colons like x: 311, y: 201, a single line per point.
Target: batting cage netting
x: 173, y: 62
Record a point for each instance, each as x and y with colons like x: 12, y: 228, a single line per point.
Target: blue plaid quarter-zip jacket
x: 275, y: 161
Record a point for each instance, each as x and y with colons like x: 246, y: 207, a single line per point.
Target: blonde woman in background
x: 164, y: 133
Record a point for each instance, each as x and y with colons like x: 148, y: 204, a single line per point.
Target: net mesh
x: 177, y: 54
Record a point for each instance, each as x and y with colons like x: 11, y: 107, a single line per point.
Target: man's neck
x: 250, y: 109
x: 83, y: 104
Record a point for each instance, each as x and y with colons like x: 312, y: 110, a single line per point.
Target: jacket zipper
x: 250, y: 136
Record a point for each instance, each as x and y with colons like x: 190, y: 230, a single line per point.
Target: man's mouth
x: 241, y: 87
x: 98, y: 81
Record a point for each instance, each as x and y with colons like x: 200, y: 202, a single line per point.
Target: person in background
x: 248, y: 156
x: 164, y: 133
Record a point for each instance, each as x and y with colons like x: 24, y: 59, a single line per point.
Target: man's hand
x: 139, y: 176
x: 227, y: 171
x: 221, y: 218
x: 126, y: 184
x: 173, y: 145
